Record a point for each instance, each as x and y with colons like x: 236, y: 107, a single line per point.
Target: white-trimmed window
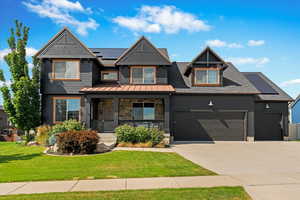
x: 65, y: 108
x: 143, y: 75
x: 66, y: 69
x: 203, y: 76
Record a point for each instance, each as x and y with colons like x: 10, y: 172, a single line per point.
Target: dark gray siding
x: 222, y: 103
x: 47, y: 108
x: 66, y: 87
x: 124, y: 75
x: 143, y: 53
x: 161, y: 75
x: 95, y: 73
x: 65, y: 45
x: 275, y: 108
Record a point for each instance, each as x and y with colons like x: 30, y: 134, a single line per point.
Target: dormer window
x: 206, y: 77
x: 143, y: 75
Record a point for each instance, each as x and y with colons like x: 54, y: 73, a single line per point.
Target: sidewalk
x: 116, y: 184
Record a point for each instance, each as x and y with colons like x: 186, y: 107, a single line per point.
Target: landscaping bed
x: 29, y: 163
x: 216, y: 193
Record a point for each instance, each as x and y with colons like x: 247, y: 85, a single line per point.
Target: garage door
x: 268, y: 126
x: 209, y: 126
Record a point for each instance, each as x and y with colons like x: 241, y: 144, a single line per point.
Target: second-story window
x: 143, y: 75
x: 109, y: 75
x: 66, y: 69
x: 206, y: 77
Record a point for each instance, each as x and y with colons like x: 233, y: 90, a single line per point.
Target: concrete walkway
x: 116, y: 184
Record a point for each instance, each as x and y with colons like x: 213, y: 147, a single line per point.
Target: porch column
x: 167, y: 114
x: 87, y: 105
x: 116, y: 111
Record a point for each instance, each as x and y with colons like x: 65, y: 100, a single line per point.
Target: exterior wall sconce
x: 267, y: 106
x: 210, y: 104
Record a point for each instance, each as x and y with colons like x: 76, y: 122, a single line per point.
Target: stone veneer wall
x: 125, y: 108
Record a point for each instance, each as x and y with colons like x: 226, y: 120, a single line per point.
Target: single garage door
x: 209, y: 126
x: 268, y: 126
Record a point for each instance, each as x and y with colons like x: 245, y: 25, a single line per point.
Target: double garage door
x: 209, y: 126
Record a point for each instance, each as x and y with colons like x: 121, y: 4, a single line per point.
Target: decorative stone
x: 32, y: 143
x: 101, y: 148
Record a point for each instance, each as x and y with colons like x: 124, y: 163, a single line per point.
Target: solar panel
x: 113, y: 53
x: 260, y: 84
x: 108, y: 53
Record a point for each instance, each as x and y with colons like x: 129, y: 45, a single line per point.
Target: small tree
x: 21, y: 99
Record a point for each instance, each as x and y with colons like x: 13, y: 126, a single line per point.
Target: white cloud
x: 216, y: 43
x: 65, y: 4
x: 3, y: 53
x: 59, y: 11
x: 30, y: 51
x: 168, y: 19
x: 253, y: 43
x: 249, y: 60
x: 220, y: 43
x: 7, y: 83
x: 290, y: 82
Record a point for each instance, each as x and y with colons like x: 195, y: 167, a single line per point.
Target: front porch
x: 105, y: 112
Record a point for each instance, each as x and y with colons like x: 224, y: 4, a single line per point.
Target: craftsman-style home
x: 205, y: 99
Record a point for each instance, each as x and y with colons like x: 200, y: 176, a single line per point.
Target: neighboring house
x: 295, y: 111
x: 4, y: 123
x: 205, y: 99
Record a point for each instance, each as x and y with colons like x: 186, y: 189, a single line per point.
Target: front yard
x: 217, y: 193
x: 22, y: 163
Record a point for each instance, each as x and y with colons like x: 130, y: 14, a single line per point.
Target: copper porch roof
x: 129, y: 88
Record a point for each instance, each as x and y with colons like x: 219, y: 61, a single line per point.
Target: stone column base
x: 168, y: 138
x: 250, y: 138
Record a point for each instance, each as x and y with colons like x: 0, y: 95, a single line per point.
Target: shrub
x: 42, y: 134
x: 77, y: 142
x: 52, y: 140
x: 128, y: 134
x: 125, y: 133
x: 68, y: 125
x: 142, y: 134
x: 73, y: 124
x: 156, y: 136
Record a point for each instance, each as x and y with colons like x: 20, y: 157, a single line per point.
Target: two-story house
x: 205, y: 99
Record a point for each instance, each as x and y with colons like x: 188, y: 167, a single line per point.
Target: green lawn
x: 217, y: 193
x: 22, y: 163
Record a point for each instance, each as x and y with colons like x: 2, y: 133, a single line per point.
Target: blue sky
x: 254, y: 35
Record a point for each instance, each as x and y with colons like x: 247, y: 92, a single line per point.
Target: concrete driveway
x: 268, y: 170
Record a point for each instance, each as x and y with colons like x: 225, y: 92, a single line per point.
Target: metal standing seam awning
x: 129, y: 88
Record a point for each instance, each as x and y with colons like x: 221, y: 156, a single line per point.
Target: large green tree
x: 21, y: 99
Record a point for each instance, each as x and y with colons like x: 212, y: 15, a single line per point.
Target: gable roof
x: 65, y: 38
x: 207, y: 51
x: 143, y: 52
x: 271, y: 93
x: 234, y: 82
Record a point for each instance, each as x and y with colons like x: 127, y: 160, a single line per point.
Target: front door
x: 106, y: 115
